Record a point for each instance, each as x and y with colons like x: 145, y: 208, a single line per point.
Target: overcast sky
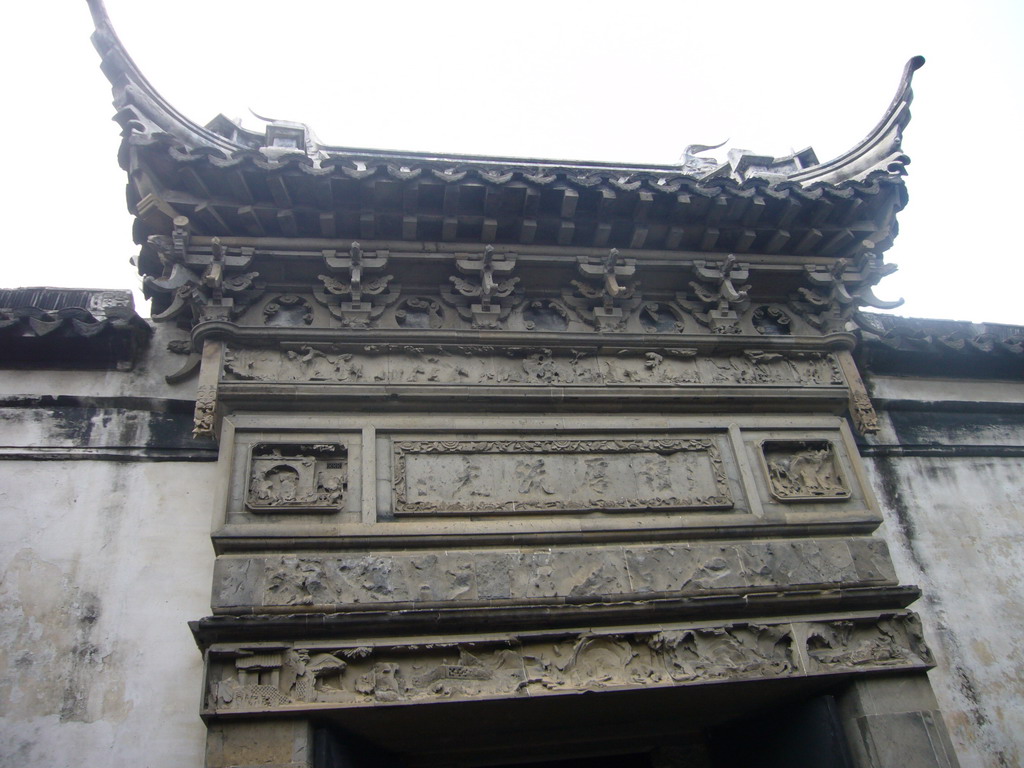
x: 631, y: 82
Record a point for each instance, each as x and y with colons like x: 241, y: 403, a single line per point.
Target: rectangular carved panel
x: 524, y: 476
x: 325, y: 676
x: 291, y: 477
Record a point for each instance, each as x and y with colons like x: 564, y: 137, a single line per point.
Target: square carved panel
x: 297, y: 477
x: 803, y: 470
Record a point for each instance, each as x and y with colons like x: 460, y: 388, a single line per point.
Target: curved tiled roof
x: 284, y: 182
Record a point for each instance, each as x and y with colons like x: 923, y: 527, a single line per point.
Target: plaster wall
x: 953, y: 523
x: 105, y: 556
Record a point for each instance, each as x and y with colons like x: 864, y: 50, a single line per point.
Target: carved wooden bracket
x: 607, y: 295
x: 204, y: 284
x: 718, y: 294
x: 356, y: 300
x: 490, y: 293
x: 837, y: 292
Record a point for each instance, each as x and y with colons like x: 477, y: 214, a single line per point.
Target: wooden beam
x: 251, y: 221
x: 451, y: 199
x: 327, y: 225
x: 744, y: 240
x: 489, y: 231
x: 755, y: 211
x: 288, y: 223
x: 211, y: 218
x: 194, y: 184
x: 822, y: 210
x: 492, y: 201
x: 809, y: 241
x: 367, y: 225
x: 324, y: 194
x: 838, y: 241
x: 717, y: 210
x: 239, y: 186
x: 410, y: 199
x: 681, y: 206
x: 639, y: 236
x: 778, y: 240
x: 565, y: 232
x: 709, y: 239
x: 674, y: 238
x: 790, y: 208
x: 570, y: 197
x: 608, y: 198
x: 528, y: 231
x: 531, y: 203
x: 601, y: 234
x: 279, y: 190
x: 449, y: 228
x: 853, y: 210
x: 410, y: 225
x: 643, y: 206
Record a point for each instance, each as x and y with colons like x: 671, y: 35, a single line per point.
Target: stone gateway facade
x: 472, y: 461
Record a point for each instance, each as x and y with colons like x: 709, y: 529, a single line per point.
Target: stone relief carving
x: 488, y: 293
x: 698, y: 568
x: 205, y: 413
x: 463, y: 365
x: 662, y: 317
x: 287, y: 477
x: 419, y: 312
x: 803, y: 470
x: 246, y: 678
x: 524, y: 476
x: 769, y: 320
x: 358, y: 301
x: 287, y: 310
x: 717, y: 294
x: 877, y: 643
x: 545, y: 315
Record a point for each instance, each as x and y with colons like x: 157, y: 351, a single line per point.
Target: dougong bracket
x: 718, y: 294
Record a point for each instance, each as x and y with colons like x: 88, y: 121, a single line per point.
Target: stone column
x: 263, y: 743
x: 895, y: 721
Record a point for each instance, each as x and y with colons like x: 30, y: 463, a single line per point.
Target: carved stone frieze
x: 286, y: 477
x: 323, y: 676
x: 552, y: 475
x: 803, y: 470
x: 326, y: 581
x: 466, y: 365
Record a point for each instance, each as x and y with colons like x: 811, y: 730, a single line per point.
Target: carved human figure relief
x: 292, y: 477
x: 803, y: 470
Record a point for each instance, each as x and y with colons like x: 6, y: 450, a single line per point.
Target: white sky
x: 631, y: 82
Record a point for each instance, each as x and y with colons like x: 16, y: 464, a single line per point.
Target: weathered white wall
x: 955, y: 526
x: 102, y: 564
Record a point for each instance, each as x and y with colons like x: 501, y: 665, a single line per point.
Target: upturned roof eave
x: 145, y: 115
